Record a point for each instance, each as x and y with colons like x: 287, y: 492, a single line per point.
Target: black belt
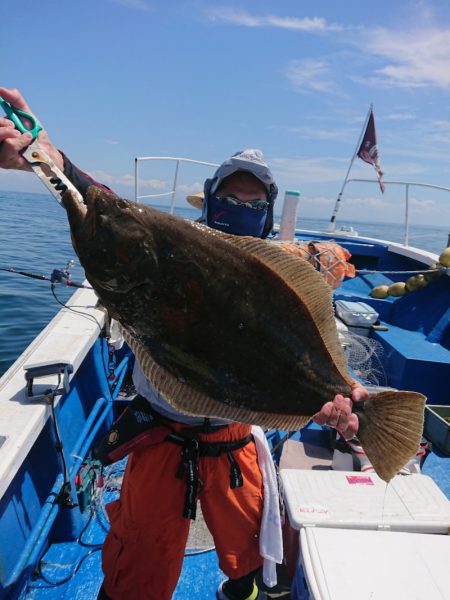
x: 205, y: 427
x: 191, y: 449
x: 131, y: 430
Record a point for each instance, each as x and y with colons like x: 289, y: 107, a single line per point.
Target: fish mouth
x: 76, y: 210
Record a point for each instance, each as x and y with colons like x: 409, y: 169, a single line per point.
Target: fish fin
x: 390, y: 429
x: 307, y: 284
x: 188, y: 400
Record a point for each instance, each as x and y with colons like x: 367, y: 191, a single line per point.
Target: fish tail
x: 390, y: 429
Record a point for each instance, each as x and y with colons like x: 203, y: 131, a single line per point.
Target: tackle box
x: 358, y: 316
x: 360, y: 538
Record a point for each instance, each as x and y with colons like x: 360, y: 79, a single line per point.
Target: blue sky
x: 115, y: 79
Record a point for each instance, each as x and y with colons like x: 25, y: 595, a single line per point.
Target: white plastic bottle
x: 289, y: 215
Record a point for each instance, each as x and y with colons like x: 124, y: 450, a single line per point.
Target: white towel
x: 270, y: 537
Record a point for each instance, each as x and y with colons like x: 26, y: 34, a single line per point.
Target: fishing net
x: 327, y: 257
x: 364, y: 357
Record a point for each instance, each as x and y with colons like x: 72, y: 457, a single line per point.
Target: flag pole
x: 332, y: 223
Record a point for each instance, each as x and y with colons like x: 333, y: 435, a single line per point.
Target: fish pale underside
x: 230, y: 327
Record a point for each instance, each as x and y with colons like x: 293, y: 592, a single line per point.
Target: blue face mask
x: 230, y: 215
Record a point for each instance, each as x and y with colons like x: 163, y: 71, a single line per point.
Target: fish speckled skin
x: 223, y: 325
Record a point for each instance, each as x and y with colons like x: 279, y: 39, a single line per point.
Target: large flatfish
x: 228, y: 326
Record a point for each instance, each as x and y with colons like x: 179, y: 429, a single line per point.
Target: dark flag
x: 368, y: 151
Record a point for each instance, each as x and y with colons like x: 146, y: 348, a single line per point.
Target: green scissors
x: 41, y: 163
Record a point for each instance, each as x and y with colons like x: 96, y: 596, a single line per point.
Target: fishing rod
x: 60, y: 276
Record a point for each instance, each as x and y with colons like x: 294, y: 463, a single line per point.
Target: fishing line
x: 92, y: 512
x: 60, y: 274
x: 65, y: 579
x: 83, y: 314
x: 427, y: 272
x: 87, y: 316
x: 113, y: 472
x: 112, y: 483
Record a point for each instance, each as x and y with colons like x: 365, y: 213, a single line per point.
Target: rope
x: 423, y: 272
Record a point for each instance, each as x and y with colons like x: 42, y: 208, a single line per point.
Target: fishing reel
x: 58, y: 276
x: 62, y: 275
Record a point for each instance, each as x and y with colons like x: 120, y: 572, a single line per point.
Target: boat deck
x: 72, y: 570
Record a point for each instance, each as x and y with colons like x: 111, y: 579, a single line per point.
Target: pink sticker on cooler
x: 314, y: 509
x: 359, y: 479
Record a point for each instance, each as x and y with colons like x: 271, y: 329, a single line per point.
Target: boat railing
x: 180, y: 160
x: 177, y: 161
x: 407, y: 185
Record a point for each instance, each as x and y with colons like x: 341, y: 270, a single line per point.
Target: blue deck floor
x: 200, y: 576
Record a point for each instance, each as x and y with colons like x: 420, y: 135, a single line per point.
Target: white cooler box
x: 354, y: 564
x: 362, y: 539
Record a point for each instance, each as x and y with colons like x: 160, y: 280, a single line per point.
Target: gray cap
x: 250, y: 160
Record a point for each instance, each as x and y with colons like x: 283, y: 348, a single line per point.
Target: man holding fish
x: 143, y: 552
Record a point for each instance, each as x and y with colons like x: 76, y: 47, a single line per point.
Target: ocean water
x: 34, y: 237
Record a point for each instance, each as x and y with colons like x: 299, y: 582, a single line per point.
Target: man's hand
x: 338, y: 413
x: 12, y: 142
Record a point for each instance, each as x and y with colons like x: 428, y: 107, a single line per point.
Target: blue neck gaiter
x: 230, y: 215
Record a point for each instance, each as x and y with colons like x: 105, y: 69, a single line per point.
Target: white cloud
x: 243, y: 18
x: 318, y: 201
x: 414, y: 58
x: 307, y: 170
x: 233, y: 16
x: 398, y: 58
x: 312, y: 25
x: 311, y: 75
x: 127, y: 180
x: 420, y: 206
x: 146, y: 186
x: 366, y: 202
x: 399, y: 117
x: 315, y: 133
x: 428, y: 138
x: 401, y: 171
x: 439, y: 131
x: 409, y: 57
x: 190, y: 188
